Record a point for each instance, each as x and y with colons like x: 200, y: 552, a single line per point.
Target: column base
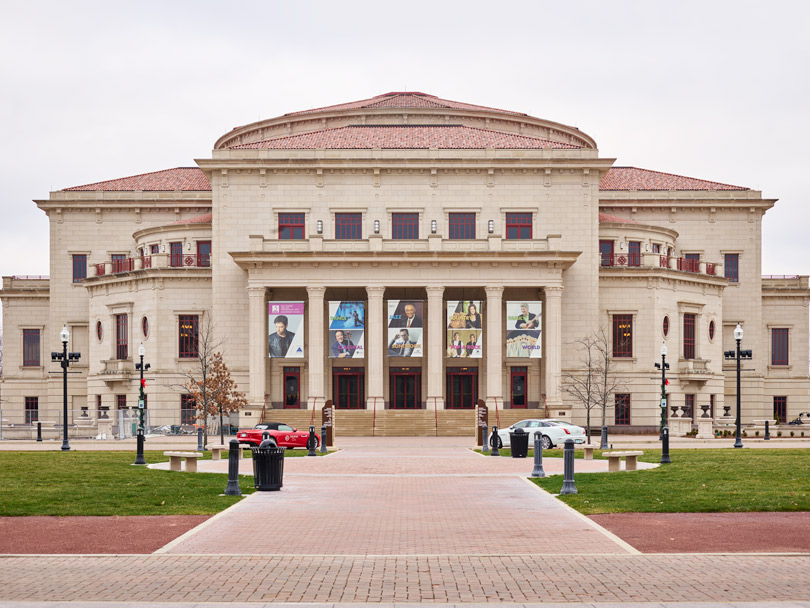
x: 316, y: 403
x: 373, y: 403
x: 434, y: 403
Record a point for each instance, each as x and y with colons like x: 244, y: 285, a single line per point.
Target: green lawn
x: 697, y: 481
x: 106, y: 483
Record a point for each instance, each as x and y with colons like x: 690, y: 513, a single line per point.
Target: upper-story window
x: 634, y: 253
x: 31, y: 348
x: 175, y: 254
x: 606, y: 253
x: 688, y: 336
x: 119, y: 262
x: 348, y: 226
x: 656, y: 248
x: 188, y: 326
x: 462, y: 226
x: 518, y: 225
x: 79, y: 267
x: 780, y: 346
x: 732, y: 267
x: 204, y: 254
x: 121, y: 336
x: 291, y: 226
x: 622, y: 335
x: 405, y: 226
x: 154, y: 248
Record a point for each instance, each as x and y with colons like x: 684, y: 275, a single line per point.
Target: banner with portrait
x: 286, y: 328
x: 524, y: 322
x: 405, y: 328
x: 464, y: 329
x: 347, y: 327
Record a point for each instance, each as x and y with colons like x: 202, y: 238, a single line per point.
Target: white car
x: 555, y: 432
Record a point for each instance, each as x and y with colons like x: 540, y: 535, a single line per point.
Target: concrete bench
x: 176, y: 458
x: 588, y: 449
x: 216, y: 451
x: 630, y: 460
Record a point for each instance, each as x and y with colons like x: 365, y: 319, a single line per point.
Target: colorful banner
x: 524, y: 322
x: 347, y: 325
x: 405, y: 328
x: 286, y: 327
x: 464, y: 329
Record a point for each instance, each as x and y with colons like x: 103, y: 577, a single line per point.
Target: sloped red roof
x: 179, y: 178
x: 632, y: 178
x: 606, y: 218
x: 405, y: 99
x: 413, y: 137
x: 205, y: 218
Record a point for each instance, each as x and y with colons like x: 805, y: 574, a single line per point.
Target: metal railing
x: 620, y: 259
x: 188, y: 260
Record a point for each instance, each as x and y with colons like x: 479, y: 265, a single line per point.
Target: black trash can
x: 268, y: 467
x: 519, y: 441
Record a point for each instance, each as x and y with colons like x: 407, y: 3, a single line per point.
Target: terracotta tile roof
x: 405, y: 99
x: 632, y: 178
x: 179, y: 178
x: 606, y: 218
x: 206, y: 218
x: 413, y: 137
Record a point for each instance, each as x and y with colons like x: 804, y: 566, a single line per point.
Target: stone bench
x: 176, y: 458
x: 216, y: 451
x: 630, y: 460
x: 588, y: 449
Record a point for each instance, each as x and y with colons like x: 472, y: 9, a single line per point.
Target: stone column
x: 375, y: 321
x: 435, y: 347
x: 314, y: 348
x: 552, y: 328
x: 258, y: 345
x: 495, y: 342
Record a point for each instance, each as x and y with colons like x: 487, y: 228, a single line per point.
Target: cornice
x: 143, y: 276
x: 621, y: 274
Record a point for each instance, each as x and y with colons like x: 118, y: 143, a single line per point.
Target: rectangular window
x: 518, y: 225
x: 176, y: 255
x: 711, y: 406
x: 405, y: 226
x: 291, y: 226
x: 779, y: 409
x: 462, y: 226
x: 79, y: 268
x: 688, y: 336
x: 731, y: 267
x: 622, y: 409
x: 690, y: 262
x: 606, y: 252
x: 779, y: 346
x: 688, y: 406
x: 31, y: 348
x: 656, y: 248
x: 203, y: 254
x: 121, y: 337
x: 622, y: 335
x: 154, y: 248
x: 31, y: 409
x: 120, y: 263
x: 634, y: 253
x: 121, y: 402
x: 348, y: 226
x: 187, y: 413
x: 189, y: 336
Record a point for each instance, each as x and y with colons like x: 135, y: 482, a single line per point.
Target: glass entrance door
x: 405, y: 386
x: 518, y: 376
x: 462, y: 387
x: 349, y: 388
x: 292, y: 388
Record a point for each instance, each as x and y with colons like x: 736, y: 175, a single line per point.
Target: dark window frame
x: 79, y: 267
x: 689, y: 335
x: 203, y: 257
x: 32, y: 348
x: 780, y: 409
x: 519, y: 225
x: 188, y: 409
x: 689, y: 405
x: 622, y: 336
x: 176, y: 254
x: 291, y: 226
x: 404, y: 226
x: 634, y: 253
x: 780, y: 346
x: 188, y: 336
x: 348, y: 226
x: 31, y: 410
x: 622, y: 409
x: 731, y: 270
x: 461, y: 226
x: 122, y: 336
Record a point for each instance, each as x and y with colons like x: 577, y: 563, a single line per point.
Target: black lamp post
x: 139, y: 459
x: 664, y: 366
x: 738, y: 354
x: 65, y: 358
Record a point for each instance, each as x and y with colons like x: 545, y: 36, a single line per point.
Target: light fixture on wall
x: 319, y: 226
x: 621, y: 244
x: 491, y: 226
x: 188, y: 246
x: 647, y: 247
x: 376, y: 226
x: 433, y: 226
x: 163, y: 248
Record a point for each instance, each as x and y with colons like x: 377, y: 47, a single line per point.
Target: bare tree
x: 197, y: 380
x: 220, y: 392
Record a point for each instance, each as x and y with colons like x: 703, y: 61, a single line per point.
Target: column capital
x: 255, y: 292
x: 494, y: 292
x: 376, y: 291
x: 553, y: 290
x: 316, y: 292
x: 437, y: 291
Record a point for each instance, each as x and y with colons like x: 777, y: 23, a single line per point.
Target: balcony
x: 376, y: 243
x: 649, y: 260
x: 156, y: 260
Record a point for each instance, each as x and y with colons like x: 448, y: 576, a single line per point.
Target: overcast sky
x: 97, y: 90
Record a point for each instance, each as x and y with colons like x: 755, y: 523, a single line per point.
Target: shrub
x: 792, y: 433
x: 756, y: 433
x: 778, y: 433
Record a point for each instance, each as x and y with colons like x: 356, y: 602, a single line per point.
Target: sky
x: 97, y: 90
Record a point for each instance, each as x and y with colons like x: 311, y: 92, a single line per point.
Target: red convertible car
x: 284, y: 435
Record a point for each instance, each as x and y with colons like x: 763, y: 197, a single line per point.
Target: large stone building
x: 408, y: 253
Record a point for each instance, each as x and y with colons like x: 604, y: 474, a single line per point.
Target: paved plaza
x: 404, y: 522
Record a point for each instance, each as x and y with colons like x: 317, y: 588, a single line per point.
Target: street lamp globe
x: 141, y: 351
x: 64, y: 335
x: 738, y: 332
x: 663, y: 349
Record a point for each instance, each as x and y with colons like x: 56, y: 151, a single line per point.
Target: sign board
x: 327, y: 420
x: 483, y: 418
x: 663, y: 402
x: 140, y: 404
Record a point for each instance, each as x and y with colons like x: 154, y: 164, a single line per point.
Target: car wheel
x: 547, y: 445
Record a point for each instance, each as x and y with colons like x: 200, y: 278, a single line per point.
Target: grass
x: 106, y: 483
x: 697, y: 481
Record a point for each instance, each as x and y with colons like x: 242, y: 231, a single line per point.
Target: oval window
x: 145, y: 327
x: 666, y: 326
x: 711, y: 330
x: 99, y: 331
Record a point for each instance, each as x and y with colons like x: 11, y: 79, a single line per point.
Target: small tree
x: 197, y: 380
x: 222, y: 389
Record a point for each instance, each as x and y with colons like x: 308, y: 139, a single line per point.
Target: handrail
x: 436, y: 414
x: 374, y: 418
x: 264, y: 407
x: 312, y: 417
x: 497, y: 414
x: 545, y: 403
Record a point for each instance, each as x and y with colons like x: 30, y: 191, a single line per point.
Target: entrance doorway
x: 292, y: 388
x: 462, y: 387
x: 349, y: 388
x: 405, y: 387
x: 518, y: 386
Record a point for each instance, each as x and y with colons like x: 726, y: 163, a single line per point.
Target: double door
x: 349, y: 388
x: 462, y: 387
x: 405, y: 386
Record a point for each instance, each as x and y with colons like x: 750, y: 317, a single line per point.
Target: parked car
x: 554, y: 432
x: 282, y: 435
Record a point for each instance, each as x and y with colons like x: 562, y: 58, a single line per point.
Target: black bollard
x: 139, y: 459
x: 568, y: 486
x: 39, y: 431
x: 232, y: 489
x: 767, y: 430
x: 604, y: 445
x: 484, y: 442
x: 493, y: 441
x: 311, y: 442
x: 265, y: 436
x: 665, y: 446
x: 538, y: 471
x: 323, y: 440
x: 200, y: 447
